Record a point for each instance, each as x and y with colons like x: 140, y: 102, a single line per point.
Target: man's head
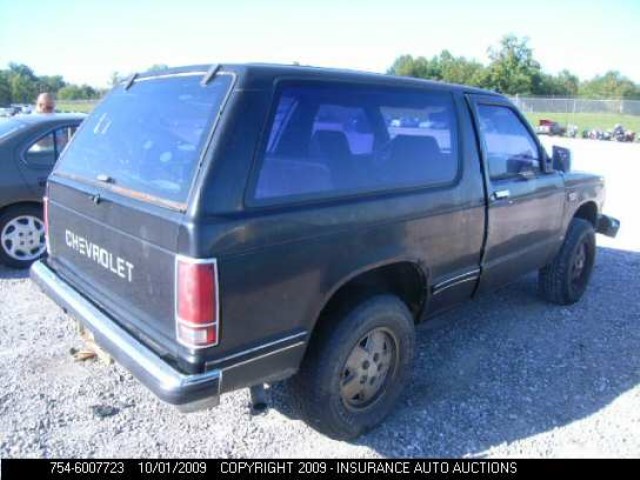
x: 45, y: 103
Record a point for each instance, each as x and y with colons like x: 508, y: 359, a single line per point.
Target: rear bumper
x: 608, y: 226
x: 269, y: 361
x: 187, y: 392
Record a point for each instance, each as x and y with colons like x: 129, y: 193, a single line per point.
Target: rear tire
x: 356, y: 367
x: 565, y: 279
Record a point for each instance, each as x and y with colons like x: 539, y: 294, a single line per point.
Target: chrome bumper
x: 187, y: 392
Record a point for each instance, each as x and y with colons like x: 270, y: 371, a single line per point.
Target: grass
x: 76, y: 107
x: 587, y: 121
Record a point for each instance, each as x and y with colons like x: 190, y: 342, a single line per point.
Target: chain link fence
x: 576, y: 105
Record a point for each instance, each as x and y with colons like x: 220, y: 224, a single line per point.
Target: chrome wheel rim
x: 22, y: 238
x: 368, y: 369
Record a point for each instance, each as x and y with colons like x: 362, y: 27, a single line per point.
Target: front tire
x: 565, y: 279
x: 356, y: 367
x: 22, y: 236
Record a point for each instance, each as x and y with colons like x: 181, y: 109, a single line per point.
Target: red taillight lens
x: 45, y: 213
x: 196, y: 302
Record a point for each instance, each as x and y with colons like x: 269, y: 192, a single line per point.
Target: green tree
x: 75, y: 92
x: 157, y: 67
x: 23, y: 82
x: 51, y: 83
x: 5, y: 89
x: 569, y: 82
x: 460, y: 70
x: 69, y: 92
x: 443, y: 67
x: 19, y: 83
x: 513, y: 70
x: 23, y: 89
x: 22, y: 70
x: 610, y: 85
x: 418, y: 67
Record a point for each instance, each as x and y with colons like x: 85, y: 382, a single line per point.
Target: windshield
x: 8, y: 126
x: 148, y: 139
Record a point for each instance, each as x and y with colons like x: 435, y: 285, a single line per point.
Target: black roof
x: 261, y: 75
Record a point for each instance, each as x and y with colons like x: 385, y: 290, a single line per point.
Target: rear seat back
x: 331, y: 148
x: 418, y: 158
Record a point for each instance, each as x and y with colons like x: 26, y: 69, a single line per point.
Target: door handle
x: 501, y: 194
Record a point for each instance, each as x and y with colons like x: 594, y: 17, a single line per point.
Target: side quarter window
x: 510, y: 148
x: 332, y: 140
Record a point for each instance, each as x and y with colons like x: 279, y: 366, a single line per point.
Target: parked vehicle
x: 597, y: 134
x: 19, y: 108
x: 29, y: 147
x: 215, y: 229
x: 8, y: 111
x: 550, y: 127
x: 620, y: 134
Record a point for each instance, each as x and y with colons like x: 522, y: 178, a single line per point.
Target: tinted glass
x: 42, y: 152
x: 510, y: 148
x: 149, y: 138
x: 351, y: 122
x: 332, y: 140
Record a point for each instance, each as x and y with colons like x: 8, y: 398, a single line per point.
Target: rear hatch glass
x: 146, y: 141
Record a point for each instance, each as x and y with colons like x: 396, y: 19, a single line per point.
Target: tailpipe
x: 259, y: 403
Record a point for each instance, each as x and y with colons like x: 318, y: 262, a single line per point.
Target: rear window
x: 148, y: 139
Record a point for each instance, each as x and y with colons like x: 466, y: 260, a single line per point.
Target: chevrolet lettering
x: 295, y: 224
x: 101, y: 256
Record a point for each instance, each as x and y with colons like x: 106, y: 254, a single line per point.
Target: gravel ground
x: 505, y: 375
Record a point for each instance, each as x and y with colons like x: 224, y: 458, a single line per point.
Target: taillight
x: 45, y: 213
x: 196, y: 302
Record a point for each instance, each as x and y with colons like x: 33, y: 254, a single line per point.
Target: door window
x: 46, y: 150
x: 42, y: 153
x: 511, y: 150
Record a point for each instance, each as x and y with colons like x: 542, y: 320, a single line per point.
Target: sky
x: 86, y: 41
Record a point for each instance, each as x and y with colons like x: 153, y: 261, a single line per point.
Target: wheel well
x: 588, y: 211
x: 404, y: 279
x: 18, y: 204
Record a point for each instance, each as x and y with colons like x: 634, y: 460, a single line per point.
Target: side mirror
x: 522, y: 167
x: 561, y: 159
